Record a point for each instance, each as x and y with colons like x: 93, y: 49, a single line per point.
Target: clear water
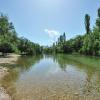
x: 53, y: 77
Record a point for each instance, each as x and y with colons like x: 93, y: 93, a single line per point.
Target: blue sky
x: 42, y: 21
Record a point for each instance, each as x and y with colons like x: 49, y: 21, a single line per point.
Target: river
x: 53, y: 77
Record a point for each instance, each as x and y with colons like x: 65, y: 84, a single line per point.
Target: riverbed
x: 53, y: 77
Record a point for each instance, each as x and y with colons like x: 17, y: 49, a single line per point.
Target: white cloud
x: 53, y: 34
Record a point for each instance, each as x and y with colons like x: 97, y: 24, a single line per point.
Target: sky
x: 42, y: 21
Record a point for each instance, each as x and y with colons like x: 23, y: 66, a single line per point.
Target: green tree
x: 98, y: 20
x: 87, y: 23
x: 6, y: 47
x: 99, y: 12
x: 64, y: 36
x: 4, y: 24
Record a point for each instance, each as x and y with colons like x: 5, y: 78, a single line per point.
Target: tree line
x: 11, y: 43
x: 88, y: 44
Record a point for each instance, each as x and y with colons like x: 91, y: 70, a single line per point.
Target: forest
x: 11, y: 43
x: 88, y: 44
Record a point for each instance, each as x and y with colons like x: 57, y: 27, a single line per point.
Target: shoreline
x: 9, y: 59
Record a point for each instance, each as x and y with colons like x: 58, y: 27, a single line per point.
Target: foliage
x: 11, y: 43
x: 88, y: 44
x: 87, y: 23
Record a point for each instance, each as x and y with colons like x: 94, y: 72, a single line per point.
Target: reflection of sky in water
x: 44, y: 68
x: 59, y: 75
x: 49, y: 70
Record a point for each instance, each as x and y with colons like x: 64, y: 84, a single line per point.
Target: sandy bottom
x: 3, y: 93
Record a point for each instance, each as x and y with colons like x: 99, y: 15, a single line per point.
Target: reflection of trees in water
x: 58, y: 59
x: 61, y: 61
x: 92, y: 79
x: 84, y: 63
x: 24, y: 64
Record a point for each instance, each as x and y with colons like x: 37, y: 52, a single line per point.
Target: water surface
x: 54, y: 77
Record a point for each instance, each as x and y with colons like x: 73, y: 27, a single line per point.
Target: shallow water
x: 54, y: 77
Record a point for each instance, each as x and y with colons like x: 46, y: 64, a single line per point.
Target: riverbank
x: 9, y: 59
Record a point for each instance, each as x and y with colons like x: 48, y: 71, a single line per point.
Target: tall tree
x: 4, y: 24
x: 99, y: 12
x: 98, y: 20
x: 64, y: 37
x: 87, y: 23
